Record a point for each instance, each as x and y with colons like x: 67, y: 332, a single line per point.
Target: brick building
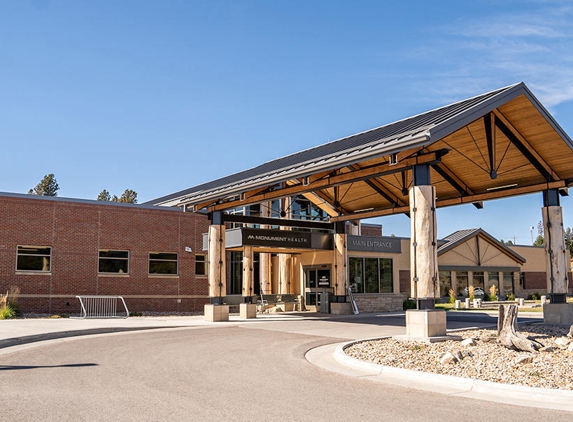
x: 54, y: 249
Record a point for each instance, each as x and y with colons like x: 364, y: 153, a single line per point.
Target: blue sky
x: 159, y: 96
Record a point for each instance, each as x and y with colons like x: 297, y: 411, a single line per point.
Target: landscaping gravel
x: 487, y: 360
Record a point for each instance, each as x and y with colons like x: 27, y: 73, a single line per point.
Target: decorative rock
x: 469, y: 342
x: 448, y: 358
x: 570, y: 334
x: 488, y: 339
x: 547, y: 349
x: 570, y: 348
x: 562, y: 342
x: 523, y: 360
x: 458, y: 354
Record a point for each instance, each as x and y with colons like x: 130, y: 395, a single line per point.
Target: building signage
x: 374, y: 244
x: 276, y: 238
x: 323, y: 281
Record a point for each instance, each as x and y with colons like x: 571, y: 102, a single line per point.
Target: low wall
x: 368, y: 303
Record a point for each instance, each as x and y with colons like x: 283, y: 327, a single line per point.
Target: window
x: 235, y: 282
x: 34, y: 258
x: 200, y: 265
x: 507, y: 283
x: 162, y: 263
x: 462, y: 283
x: 370, y: 275
x: 355, y: 270
x: 113, y: 261
x: 445, y: 283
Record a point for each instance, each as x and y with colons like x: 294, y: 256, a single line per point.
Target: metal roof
x: 501, y: 139
x: 386, y: 139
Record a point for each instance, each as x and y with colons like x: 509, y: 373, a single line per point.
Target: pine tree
x: 48, y: 186
x: 104, y: 196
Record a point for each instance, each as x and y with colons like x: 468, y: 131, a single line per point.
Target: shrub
x: 510, y: 297
x: 7, y: 312
x: 452, y: 296
x: 493, y: 292
x: 534, y: 296
x: 9, y: 303
x: 471, y: 294
x: 409, y: 304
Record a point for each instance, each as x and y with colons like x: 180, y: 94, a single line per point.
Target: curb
x: 34, y: 338
x: 455, y: 386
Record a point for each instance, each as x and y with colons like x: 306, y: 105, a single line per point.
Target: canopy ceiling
x: 499, y: 144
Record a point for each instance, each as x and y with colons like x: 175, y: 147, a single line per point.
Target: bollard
x: 467, y: 303
x: 521, y: 301
x: 543, y: 300
x: 458, y: 304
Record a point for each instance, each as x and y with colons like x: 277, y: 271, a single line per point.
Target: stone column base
x: 215, y: 313
x: 426, y: 324
x: 558, y: 313
x: 247, y: 310
x: 341, y: 308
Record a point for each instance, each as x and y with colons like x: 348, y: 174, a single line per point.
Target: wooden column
x: 424, y: 251
x: 340, y: 283
x: 284, y: 273
x: 284, y: 259
x: 555, y: 250
x: 248, y: 275
x: 265, y: 257
x: 216, y: 310
x: 217, y: 271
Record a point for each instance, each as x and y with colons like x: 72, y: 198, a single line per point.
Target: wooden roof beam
x: 450, y: 177
x: 489, y: 123
x: 524, y: 147
x: 331, y: 181
x: 380, y: 189
x: 456, y: 201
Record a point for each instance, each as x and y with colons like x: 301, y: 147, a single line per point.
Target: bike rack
x: 101, y: 307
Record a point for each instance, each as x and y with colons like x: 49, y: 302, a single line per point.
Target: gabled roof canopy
x: 461, y: 236
x: 499, y: 144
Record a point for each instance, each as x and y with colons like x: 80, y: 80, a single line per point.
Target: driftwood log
x: 507, y: 333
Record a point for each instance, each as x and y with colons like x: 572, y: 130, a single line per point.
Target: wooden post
x: 216, y: 310
x: 284, y: 273
x: 217, y: 271
x: 248, y: 275
x: 265, y: 257
x: 555, y: 251
x: 424, y: 251
x: 284, y: 259
x: 340, y: 264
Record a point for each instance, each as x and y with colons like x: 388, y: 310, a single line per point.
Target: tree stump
x: 507, y: 333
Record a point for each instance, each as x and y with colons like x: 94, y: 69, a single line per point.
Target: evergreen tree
x: 104, y: 196
x: 128, y: 197
x: 48, y: 186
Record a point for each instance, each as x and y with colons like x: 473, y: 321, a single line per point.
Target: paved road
x: 235, y: 372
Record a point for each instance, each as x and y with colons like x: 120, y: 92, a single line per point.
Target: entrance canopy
x: 499, y: 144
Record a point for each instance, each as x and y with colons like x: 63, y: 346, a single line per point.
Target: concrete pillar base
x: 425, y: 323
x: 341, y: 308
x: 216, y: 313
x: 247, y: 310
x: 558, y: 313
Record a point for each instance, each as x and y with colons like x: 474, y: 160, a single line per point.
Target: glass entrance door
x: 317, y: 287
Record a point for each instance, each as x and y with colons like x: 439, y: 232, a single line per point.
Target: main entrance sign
x: 374, y: 244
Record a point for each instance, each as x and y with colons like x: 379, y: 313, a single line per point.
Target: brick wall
x: 76, y: 230
x: 371, y: 230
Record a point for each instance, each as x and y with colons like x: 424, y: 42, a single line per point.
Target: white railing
x: 353, y: 302
x: 101, y: 307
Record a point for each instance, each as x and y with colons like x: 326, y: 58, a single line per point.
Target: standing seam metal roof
x: 395, y: 135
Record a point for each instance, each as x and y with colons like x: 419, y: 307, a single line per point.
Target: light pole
x: 531, y: 231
